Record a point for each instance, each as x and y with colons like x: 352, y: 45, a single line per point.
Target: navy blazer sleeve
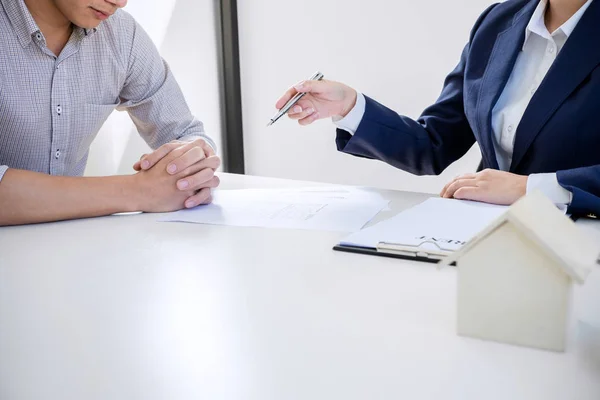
x: 424, y: 147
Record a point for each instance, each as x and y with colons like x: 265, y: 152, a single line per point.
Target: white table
x: 124, y: 307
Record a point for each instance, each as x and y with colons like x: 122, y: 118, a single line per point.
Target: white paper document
x: 339, y: 208
x: 446, y: 222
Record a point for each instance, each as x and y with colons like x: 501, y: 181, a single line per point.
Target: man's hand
x: 195, y: 156
x: 323, y: 99
x: 488, y: 186
x: 147, y: 161
x: 160, y: 190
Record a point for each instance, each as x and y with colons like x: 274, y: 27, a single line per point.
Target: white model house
x: 516, y: 276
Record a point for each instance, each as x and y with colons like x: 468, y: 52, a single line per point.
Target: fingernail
x: 310, y: 111
x: 172, y: 168
x: 190, y: 204
x: 299, y: 86
x: 145, y: 164
x: 297, y: 110
x: 183, y: 184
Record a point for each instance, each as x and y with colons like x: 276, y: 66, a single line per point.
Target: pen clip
x: 415, y: 249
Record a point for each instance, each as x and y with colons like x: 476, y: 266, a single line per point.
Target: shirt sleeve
x: 351, y: 121
x: 3, y: 169
x: 548, y: 184
x: 153, y: 98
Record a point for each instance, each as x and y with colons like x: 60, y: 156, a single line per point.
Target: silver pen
x: 316, y: 77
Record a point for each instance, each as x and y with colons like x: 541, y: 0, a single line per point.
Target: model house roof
x: 543, y: 223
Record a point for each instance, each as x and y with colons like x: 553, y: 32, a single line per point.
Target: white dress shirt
x: 540, y: 49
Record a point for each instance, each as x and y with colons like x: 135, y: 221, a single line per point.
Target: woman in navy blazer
x: 558, y: 135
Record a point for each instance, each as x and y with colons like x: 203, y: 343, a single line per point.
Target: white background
x: 397, y: 52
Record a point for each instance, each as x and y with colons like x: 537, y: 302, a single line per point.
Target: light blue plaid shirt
x: 51, y: 108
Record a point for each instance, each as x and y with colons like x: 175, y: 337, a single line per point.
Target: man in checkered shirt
x: 65, y: 65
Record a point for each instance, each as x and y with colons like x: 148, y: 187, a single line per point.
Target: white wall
x: 395, y: 51
x: 185, y: 33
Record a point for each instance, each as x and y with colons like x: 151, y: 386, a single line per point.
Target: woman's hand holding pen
x: 323, y: 99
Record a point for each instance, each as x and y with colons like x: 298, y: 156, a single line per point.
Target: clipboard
x: 427, y: 232
x: 401, y: 251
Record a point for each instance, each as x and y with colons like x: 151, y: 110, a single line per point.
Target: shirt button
x: 57, y: 154
x: 510, y: 129
x: 551, y: 50
x: 58, y: 110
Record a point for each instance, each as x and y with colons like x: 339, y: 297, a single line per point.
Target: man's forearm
x: 31, y: 197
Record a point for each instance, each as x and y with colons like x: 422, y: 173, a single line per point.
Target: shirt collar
x: 537, y: 24
x: 84, y: 33
x: 569, y: 26
x: 21, y: 20
x: 24, y: 24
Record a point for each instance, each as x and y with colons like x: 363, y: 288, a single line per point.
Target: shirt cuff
x: 351, y: 121
x: 3, y: 169
x: 548, y: 185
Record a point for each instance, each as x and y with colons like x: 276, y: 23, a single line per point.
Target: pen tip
x: 269, y: 124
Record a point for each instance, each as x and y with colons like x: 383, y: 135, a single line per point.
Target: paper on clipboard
x: 436, y: 225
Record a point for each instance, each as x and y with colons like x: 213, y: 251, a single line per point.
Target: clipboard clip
x: 414, y: 250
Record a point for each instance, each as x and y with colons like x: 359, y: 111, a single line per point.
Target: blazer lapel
x: 579, y: 56
x: 502, y: 61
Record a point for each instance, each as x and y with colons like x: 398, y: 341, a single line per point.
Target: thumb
x: 138, y: 164
x: 314, y: 87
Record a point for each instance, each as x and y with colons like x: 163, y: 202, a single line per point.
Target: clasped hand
x: 177, y: 175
